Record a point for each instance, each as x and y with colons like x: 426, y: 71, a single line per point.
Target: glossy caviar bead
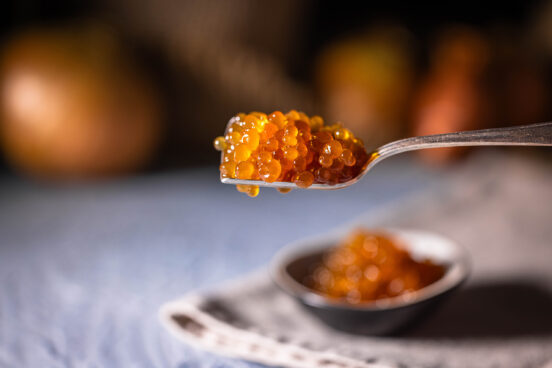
x: 264, y: 157
x: 220, y: 143
x: 319, y: 140
x: 322, y: 175
x: 305, y: 135
x: 286, y: 164
x: 228, y: 169
x: 242, y: 188
x: 241, y: 153
x: 348, y: 158
x: 272, y: 144
x: 304, y: 179
x: 290, y: 153
x: 235, y: 127
x: 270, y: 129
x: 289, y: 140
x: 253, y: 190
x: 323, y: 137
x: 250, y: 121
x: 279, y: 135
x: 293, y: 114
x: 259, y: 115
x: 302, y: 126
x: 278, y: 118
x: 284, y: 190
x: 316, y: 122
x: 263, y: 136
x: 302, y: 149
x: 278, y: 154
x: 333, y: 149
x: 348, y: 144
x: 291, y: 130
x: 233, y: 138
x: 270, y: 171
x: 260, y: 127
x: 251, y: 138
x: 325, y: 161
x: 342, y: 133
x: 244, y: 170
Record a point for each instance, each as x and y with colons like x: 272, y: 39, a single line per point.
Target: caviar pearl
x: 244, y: 170
x: 253, y: 190
x: 348, y: 158
x: 325, y: 161
x: 304, y: 179
x: 220, y: 143
x: 333, y: 149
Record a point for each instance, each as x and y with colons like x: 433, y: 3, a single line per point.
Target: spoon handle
x: 525, y: 135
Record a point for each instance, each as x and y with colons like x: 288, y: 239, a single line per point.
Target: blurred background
x: 96, y: 89
x: 110, y: 199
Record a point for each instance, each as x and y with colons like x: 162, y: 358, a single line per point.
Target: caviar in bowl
x: 293, y: 268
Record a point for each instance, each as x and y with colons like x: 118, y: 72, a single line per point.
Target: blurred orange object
x: 75, y: 106
x: 366, y: 82
x: 452, y: 97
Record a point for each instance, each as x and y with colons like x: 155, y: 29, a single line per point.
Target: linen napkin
x: 498, y: 207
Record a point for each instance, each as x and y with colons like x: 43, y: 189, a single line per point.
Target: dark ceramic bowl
x: 385, y: 316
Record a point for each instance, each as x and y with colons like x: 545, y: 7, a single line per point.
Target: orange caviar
x: 288, y: 147
x: 368, y: 266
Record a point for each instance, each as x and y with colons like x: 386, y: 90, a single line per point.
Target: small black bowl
x: 384, y: 316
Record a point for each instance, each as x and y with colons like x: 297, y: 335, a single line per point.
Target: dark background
x: 314, y: 26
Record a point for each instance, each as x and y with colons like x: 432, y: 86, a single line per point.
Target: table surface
x: 84, y: 268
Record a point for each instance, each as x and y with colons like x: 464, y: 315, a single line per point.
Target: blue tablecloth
x: 84, y: 268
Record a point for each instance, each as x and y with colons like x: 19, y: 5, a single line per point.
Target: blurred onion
x: 75, y: 106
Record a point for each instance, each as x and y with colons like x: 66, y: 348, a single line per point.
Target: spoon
x: 525, y: 135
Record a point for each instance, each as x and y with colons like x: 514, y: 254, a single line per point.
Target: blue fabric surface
x: 84, y: 268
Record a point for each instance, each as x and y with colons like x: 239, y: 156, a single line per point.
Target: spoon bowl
x: 383, y: 316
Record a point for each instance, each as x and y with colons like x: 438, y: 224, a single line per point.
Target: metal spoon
x: 524, y: 135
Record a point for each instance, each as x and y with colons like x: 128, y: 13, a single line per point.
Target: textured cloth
x: 499, y: 209
x: 84, y: 268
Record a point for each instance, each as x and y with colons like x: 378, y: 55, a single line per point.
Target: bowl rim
x: 456, y: 273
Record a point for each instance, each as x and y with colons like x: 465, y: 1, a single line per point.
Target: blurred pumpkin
x: 366, y: 82
x: 452, y: 97
x: 74, y: 105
